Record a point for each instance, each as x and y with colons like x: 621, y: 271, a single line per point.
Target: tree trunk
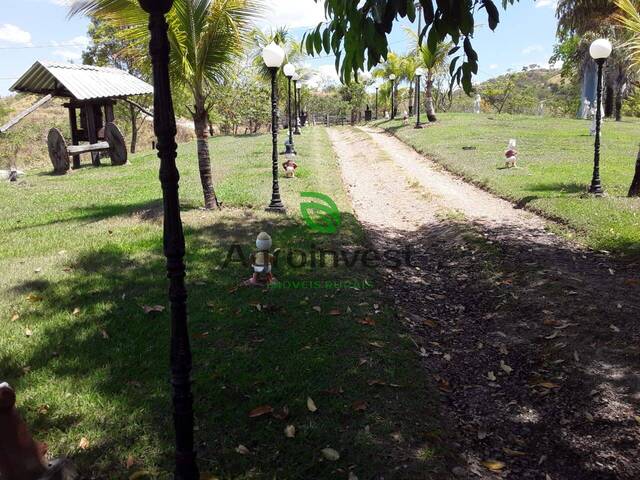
x: 634, y: 190
x: 134, y: 127
x: 411, y: 99
x: 200, y: 122
x: 608, y: 102
x: 619, y: 104
x: 431, y: 113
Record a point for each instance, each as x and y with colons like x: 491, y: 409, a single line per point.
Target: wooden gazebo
x: 92, y: 92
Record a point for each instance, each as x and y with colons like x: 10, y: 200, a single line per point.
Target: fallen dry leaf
x: 330, y: 454
x: 261, y: 410
x: 377, y: 344
x: 289, y: 431
x: 242, y: 450
x: 506, y: 368
x: 104, y: 334
x: 152, y: 308
x: 131, y: 461
x: 493, y: 465
x: 32, y: 297
x: 359, y: 405
x: 430, y: 323
x: 15, y: 317
x: 335, y: 311
x: 311, y: 405
x: 317, y: 308
x: 76, y: 311
x: 28, y: 332
x: 491, y: 376
x: 84, y: 443
x: 513, y: 453
x: 367, y: 321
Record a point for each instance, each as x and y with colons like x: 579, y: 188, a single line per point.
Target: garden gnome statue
x: 586, y: 109
x: 405, y: 118
x: 13, y: 175
x: 262, y: 260
x: 511, y: 154
x: 476, y: 103
x: 290, y: 165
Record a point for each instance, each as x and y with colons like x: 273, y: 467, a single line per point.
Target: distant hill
x: 522, y: 92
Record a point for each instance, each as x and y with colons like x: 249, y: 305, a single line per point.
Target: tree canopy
x: 357, y: 32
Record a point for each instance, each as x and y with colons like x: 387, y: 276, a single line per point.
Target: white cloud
x: 62, y: 3
x: 493, y: 66
x: 541, y: 4
x: 69, y: 55
x: 293, y: 13
x: 14, y: 34
x: 532, y: 48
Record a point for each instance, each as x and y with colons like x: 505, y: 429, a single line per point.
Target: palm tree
x: 392, y: 65
x: 433, y: 63
x: 206, y: 37
x: 409, y: 65
x: 628, y: 17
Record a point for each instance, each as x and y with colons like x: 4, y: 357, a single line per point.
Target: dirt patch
x: 531, y: 340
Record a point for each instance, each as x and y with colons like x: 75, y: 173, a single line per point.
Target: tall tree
x: 206, y: 37
x: 358, y: 28
x: 433, y: 61
x: 628, y: 17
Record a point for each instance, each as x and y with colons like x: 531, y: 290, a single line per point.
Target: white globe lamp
x: 273, y: 55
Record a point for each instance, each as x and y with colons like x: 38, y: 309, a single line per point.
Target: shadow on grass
x: 487, y: 286
x: 103, y: 371
x: 560, y: 187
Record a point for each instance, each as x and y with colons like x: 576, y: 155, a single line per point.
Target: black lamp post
x: 419, y: 73
x: 273, y: 56
x: 296, y: 103
x: 376, y: 103
x: 289, y: 71
x: 164, y: 125
x: 392, y: 78
x: 599, y: 50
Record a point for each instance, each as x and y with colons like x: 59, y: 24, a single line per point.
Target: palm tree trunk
x: 634, y: 190
x: 200, y: 122
x: 431, y: 113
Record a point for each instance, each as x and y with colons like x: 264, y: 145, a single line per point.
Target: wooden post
x: 92, y: 132
x: 164, y: 124
x: 108, y: 113
x: 73, y: 121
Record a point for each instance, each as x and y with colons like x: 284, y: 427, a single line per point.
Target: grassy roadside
x: 81, y: 257
x: 555, y: 165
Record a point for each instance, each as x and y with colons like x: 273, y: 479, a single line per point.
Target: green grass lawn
x: 556, y: 164
x: 81, y: 255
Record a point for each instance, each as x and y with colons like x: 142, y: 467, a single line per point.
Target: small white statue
x: 477, y: 103
x: 511, y: 154
x: 405, y: 118
x: 290, y: 165
x: 541, y: 108
x: 261, y: 262
x: 586, y: 109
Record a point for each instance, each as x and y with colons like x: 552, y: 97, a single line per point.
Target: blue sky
x: 40, y: 30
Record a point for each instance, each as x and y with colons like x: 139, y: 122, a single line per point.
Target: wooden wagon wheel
x: 117, y: 145
x: 58, y: 152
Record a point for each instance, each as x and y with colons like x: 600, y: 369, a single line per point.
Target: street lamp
x: 289, y: 71
x: 392, y: 77
x: 419, y: 73
x: 599, y: 50
x: 296, y: 103
x: 273, y: 56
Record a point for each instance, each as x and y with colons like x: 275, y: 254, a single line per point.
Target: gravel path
x: 532, y: 341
